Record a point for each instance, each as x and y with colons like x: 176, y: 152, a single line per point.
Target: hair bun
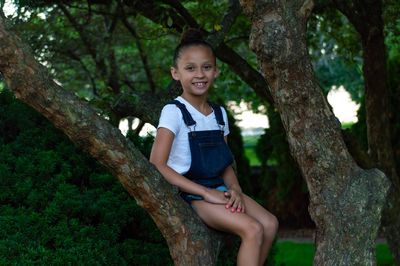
x: 192, y: 35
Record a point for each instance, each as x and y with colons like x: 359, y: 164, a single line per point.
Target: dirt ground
x: 300, y: 235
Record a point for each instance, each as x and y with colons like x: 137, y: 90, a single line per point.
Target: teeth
x: 199, y: 84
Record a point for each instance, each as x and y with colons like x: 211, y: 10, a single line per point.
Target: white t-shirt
x: 171, y: 118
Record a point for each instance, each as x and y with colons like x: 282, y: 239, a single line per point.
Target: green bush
x: 59, y: 206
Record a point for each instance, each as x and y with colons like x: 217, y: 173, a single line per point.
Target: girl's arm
x: 230, y: 179
x: 236, y: 202
x: 159, y: 157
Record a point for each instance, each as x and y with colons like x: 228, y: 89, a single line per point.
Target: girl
x: 190, y: 151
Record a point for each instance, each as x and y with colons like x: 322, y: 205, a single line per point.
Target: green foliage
x: 336, y: 52
x: 59, y: 206
x: 99, y: 66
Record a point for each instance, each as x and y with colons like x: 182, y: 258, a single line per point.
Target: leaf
x: 217, y: 27
x: 170, y: 22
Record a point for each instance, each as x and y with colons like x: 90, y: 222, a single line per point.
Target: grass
x: 301, y: 254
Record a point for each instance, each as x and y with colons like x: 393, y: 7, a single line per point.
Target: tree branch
x: 72, y: 55
x: 351, y: 10
x: 80, y: 31
x: 226, y: 23
x: 139, y: 45
x: 247, y: 73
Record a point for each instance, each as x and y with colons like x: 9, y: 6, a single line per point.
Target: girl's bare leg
x: 267, y: 220
x: 248, y: 228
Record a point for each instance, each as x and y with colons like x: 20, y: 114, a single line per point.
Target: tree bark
x: 367, y: 19
x: 345, y: 200
x: 189, y: 240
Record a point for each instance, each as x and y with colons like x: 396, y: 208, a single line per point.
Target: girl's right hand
x: 215, y: 196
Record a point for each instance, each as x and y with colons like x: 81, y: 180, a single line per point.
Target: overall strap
x: 187, y: 117
x: 218, y: 114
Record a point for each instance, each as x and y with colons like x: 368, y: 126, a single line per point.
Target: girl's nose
x: 200, y: 73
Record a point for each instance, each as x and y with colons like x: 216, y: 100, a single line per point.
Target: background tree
x: 336, y: 184
x: 367, y: 23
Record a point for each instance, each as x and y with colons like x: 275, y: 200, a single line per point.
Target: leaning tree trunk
x: 367, y: 19
x: 345, y: 200
x: 189, y: 240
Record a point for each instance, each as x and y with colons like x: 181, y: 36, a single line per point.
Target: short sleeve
x: 225, y: 116
x: 170, y: 118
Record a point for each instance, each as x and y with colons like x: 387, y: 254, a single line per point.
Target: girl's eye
x: 189, y: 68
x: 207, y: 67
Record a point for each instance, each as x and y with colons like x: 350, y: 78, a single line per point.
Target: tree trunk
x: 189, y: 240
x: 379, y: 131
x: 367, y: 19
x: 345, y: 200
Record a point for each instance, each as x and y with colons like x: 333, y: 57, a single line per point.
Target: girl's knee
x: 271, y: 225
x: 253, y: 231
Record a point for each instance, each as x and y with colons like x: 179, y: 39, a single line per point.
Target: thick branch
x: 342, y: 195
x: 366, y: 18
x: 355, y: 13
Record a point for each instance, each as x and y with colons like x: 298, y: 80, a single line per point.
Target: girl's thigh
x: 259, y: 213
x: 220, y: 218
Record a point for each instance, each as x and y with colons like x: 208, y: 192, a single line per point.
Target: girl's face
x: 195, y: 70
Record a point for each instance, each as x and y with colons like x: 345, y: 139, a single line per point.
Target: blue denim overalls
x: 210, y: 153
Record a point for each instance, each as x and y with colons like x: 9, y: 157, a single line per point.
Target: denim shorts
x: 190, y: 197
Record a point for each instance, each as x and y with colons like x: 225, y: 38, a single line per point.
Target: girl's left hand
x: 236, y: 202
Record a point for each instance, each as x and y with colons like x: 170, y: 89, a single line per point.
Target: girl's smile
x: 199, y: 84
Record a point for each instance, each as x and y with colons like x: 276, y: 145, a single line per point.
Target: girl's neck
x: 198, y: 102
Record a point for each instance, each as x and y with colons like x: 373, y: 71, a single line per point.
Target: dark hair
x: 191, y: 37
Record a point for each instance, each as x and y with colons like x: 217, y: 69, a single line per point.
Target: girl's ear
x: 174, y: 73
